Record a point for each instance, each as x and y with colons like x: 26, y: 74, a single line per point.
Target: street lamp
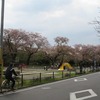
x: 1, y: 40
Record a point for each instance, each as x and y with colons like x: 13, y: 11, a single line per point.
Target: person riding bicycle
x: 9, y: 75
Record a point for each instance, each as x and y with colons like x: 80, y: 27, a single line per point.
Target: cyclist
x: 9, y: 75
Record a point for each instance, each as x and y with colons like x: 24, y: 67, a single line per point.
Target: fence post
x: 62, y: 74
x: 53, y: 76
x: 22, y: 80
x: 40, y: 77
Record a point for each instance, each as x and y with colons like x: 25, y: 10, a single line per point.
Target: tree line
x: 34, y: 49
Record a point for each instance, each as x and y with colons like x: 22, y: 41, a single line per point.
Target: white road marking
x: 73, y: 95
x: 80, y: 79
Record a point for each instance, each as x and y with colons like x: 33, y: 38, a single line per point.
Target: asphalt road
x: 86, y: 87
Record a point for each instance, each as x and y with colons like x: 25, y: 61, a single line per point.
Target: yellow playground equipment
x: 62, y: 67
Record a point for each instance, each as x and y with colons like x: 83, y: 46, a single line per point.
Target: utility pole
x: 1, y: 40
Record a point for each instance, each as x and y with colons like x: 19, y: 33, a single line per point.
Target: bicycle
x: 6, y: 85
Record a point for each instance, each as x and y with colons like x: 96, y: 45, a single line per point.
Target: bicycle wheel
x: 4, y: 86
x: 4, y: 83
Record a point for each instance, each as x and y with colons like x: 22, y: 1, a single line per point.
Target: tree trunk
x: 28, y: 58
x: 13, y: 56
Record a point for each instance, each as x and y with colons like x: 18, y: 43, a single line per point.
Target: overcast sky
x: 52, y: 18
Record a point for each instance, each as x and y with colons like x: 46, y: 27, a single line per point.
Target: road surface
x: 85, y: 87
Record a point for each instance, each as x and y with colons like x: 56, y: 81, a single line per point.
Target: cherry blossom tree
x: 33, y: 44
x: 14, y: 39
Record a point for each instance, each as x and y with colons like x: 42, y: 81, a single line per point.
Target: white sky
x: 52, y: 18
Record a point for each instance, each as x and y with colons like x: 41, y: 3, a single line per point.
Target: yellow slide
x: 65, y: 65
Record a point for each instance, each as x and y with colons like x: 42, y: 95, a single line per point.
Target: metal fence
x: 27, y: 79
